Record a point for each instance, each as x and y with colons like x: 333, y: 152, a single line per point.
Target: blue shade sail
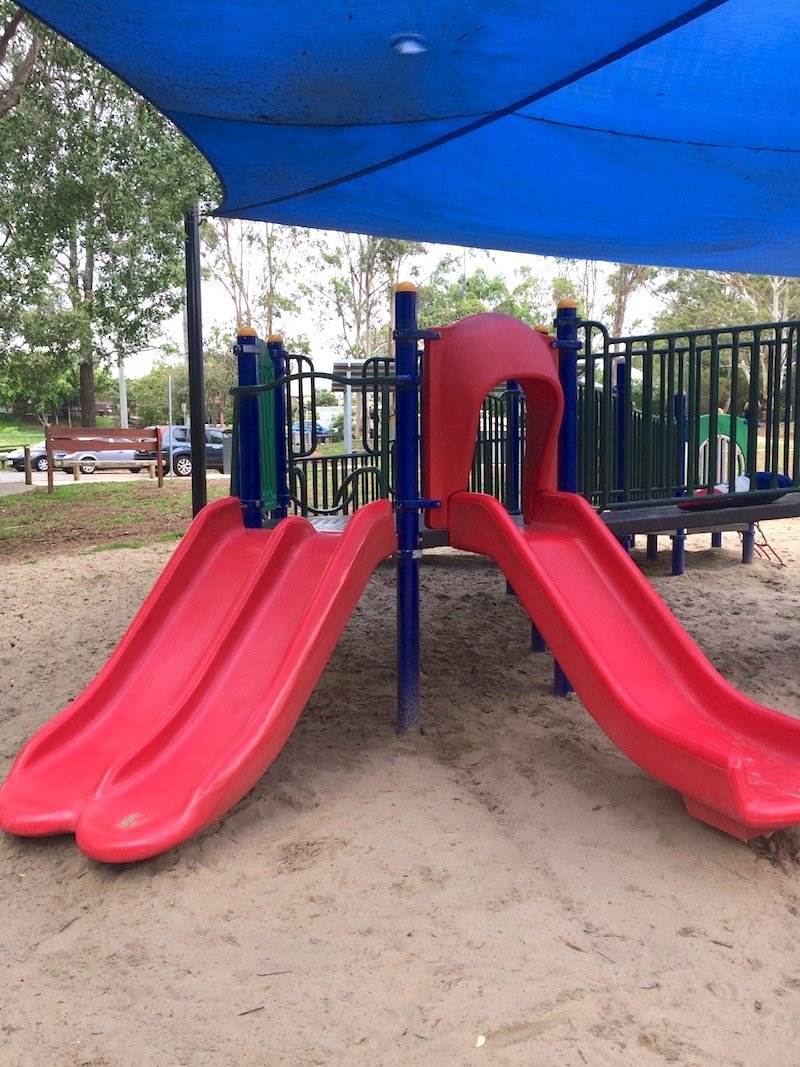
x: 661, y: 131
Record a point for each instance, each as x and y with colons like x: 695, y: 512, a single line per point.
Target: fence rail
x: 660, y: 416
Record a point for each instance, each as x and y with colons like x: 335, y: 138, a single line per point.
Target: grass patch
x: 15, y: 433
x: 81, y: 518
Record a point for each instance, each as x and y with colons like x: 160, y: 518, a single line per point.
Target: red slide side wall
x: 460, y: 369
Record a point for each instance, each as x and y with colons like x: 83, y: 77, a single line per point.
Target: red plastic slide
x: 203, y: 690
x: 636, y: 670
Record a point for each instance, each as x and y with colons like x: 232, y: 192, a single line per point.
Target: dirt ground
x: 504, y: 889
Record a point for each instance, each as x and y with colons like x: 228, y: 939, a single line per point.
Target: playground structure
x: 649, y: 433
x: 150, y: 754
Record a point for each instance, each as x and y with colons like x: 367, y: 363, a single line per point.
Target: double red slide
x: 203, y: 690
x: 736, y: 763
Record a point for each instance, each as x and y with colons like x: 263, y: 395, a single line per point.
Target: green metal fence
x: 660, y: 416
x: 655, y: 411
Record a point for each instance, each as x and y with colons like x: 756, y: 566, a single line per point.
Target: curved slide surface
x: 203, y: 690
x: 635, y: 668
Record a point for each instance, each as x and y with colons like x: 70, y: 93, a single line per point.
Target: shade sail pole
x: 194, y: 334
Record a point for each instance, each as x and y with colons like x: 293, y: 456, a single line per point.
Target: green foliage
x: 359, y: 276
x: 449, y: 296
x: 93, y: 185
x: 259, y: 265
x: 697, y: 299
x: 148, y: 395
x: 324, y: 398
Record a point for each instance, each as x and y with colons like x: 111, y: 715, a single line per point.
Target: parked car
x: 176, y: 439
x: 323, y: 435
x: 87, y: 460
x: 16, y: 457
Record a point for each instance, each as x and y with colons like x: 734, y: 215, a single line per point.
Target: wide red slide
x: 203, y: 690
x: 636, y: 670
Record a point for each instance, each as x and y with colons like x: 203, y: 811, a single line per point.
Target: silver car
x: 88, y: 461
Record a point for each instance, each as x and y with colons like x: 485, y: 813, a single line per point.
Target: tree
x: 580, y: 280
x: 19, y: 46
x: 39, y: 370
x: 97, y: 183
x: 259, y: 266
x: 149, y: 394
x: 699, y: 299
x: 362, y: 273
x: 627, y: 279
x: 448, y: 296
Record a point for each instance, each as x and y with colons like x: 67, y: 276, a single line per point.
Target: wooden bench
x: 94, y: 439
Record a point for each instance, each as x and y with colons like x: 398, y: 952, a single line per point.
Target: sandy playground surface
x: 506, y: 889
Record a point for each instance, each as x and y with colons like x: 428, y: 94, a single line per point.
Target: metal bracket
x: 415, y: 335
x: 573, y: 346
x: 416, y: 505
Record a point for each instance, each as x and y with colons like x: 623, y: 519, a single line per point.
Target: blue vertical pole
x: 407, y: 503
x: 249, y: 465
x: 278, y: 355
x: 513, y: 448
x: 567, y: 343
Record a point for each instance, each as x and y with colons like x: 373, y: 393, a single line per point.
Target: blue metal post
x: 538, y: 643
x: 249, y: 465
x: 407, y: 504
x: 567, y: 343
x: 278, y: 355
x: 513, y: 448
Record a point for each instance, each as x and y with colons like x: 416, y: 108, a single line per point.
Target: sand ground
x: 507, y: 876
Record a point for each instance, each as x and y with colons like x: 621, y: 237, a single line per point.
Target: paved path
x: 14, y: 481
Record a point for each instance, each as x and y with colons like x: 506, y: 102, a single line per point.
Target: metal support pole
x: 679, y: 552
x: 194, y: 341
x: 406, y: 507
x: 538, y: 643
x: 749, y: 543
x: 279, y: 365
x: 513, y: 448
x: 567, y: 343
x: 652, y: 546
x: 620, y: 390
x: 681, y: 420
x: 249, y: 460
